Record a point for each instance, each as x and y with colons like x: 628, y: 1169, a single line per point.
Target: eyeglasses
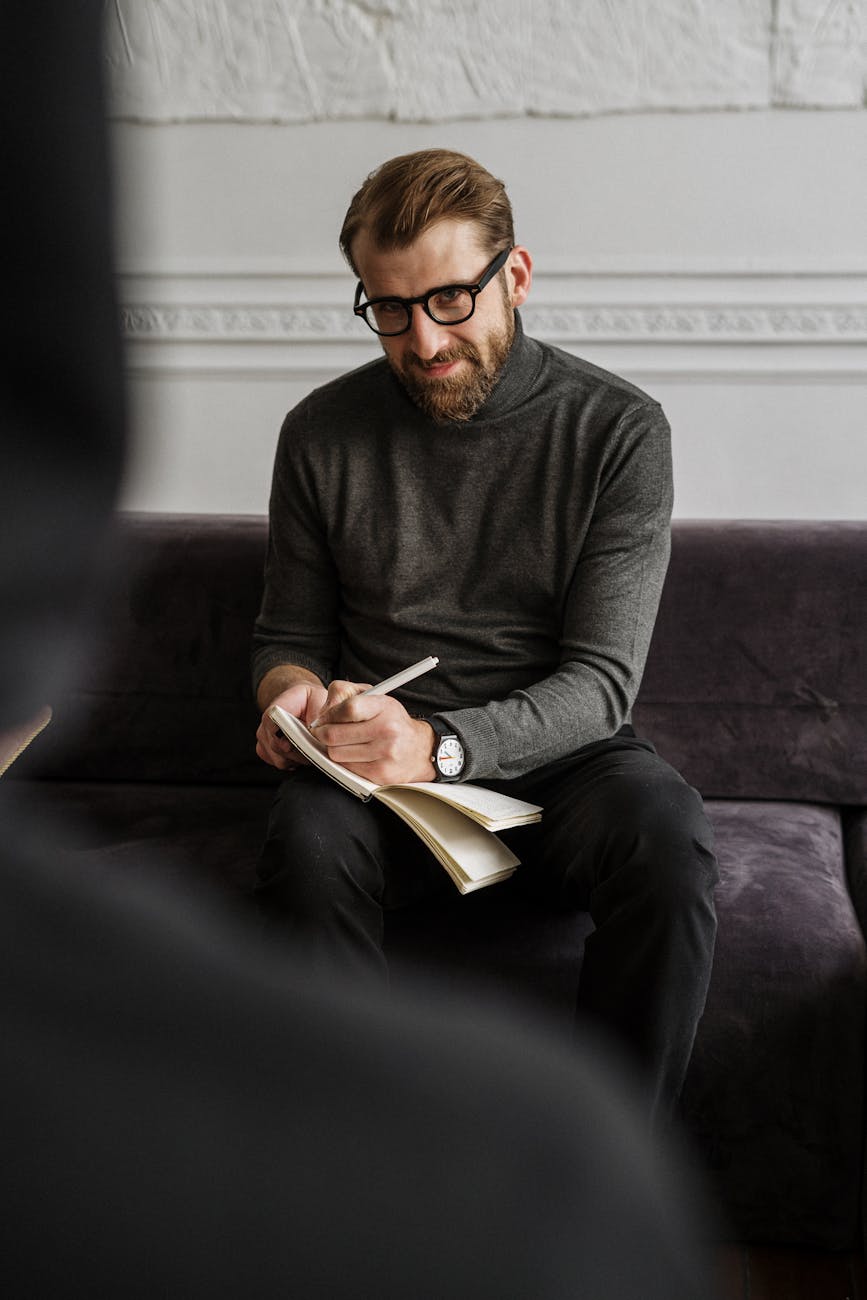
x: 450, y: 304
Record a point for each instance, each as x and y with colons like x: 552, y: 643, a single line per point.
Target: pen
x: 401, y: 678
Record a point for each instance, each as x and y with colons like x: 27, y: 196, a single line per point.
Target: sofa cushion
x: 198, y: 836
x: 756, y: 681
x: 165, y: 695
x: 775, y: 1090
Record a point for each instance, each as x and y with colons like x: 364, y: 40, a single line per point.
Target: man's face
x: 448, y: 370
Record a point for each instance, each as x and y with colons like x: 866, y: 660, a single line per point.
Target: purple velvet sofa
x: 756, y: 689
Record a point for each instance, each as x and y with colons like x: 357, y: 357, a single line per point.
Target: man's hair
x: 408, y: 194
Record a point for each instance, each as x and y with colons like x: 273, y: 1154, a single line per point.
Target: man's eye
x: 389, y: 308
x: 451, y: 304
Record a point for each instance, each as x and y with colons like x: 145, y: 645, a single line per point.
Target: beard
x: 456, y: 397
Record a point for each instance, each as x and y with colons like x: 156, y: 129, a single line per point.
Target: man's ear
x: 519, y: 274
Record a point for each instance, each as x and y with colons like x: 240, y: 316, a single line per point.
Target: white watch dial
x: 450, y: 756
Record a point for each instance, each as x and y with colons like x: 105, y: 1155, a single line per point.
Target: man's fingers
x: 273, y: 747
x: 338, y: 694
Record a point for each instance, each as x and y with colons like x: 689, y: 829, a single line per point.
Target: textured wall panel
x: 435, y: 60
x: 820, y: 52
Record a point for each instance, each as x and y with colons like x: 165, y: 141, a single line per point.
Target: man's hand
x: 305, y: 700
x: 374, y: 736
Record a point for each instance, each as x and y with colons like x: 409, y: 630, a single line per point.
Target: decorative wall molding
x: 624, y: 323
x: 303, y: 323
x: 707, y: 323
x: 305, y: 60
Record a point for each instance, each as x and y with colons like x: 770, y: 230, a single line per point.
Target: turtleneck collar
x: 517, y: 376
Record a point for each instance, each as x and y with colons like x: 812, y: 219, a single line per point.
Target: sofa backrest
x: 756, y: 681
x: 755, y: 687
x: 166, y: 695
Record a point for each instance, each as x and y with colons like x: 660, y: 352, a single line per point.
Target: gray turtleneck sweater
x: 526, y: 548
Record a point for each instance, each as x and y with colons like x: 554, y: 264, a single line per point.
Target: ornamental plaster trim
x: 791, y: 323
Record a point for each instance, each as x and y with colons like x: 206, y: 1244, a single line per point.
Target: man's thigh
x: 598, y: 806
x: 315, y: 823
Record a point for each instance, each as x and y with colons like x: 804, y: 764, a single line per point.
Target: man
x: 494, y: 501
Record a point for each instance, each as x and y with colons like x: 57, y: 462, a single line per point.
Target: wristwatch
x: 448, y: 756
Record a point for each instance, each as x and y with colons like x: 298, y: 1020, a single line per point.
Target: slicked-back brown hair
x: 408, y: 194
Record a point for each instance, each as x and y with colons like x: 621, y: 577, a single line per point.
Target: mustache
x: 466, y: 352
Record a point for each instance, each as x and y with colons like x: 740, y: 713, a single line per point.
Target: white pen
x: 392, y: 683
x: 401, y: 678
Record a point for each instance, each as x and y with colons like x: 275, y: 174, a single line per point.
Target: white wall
x: 715, y: 257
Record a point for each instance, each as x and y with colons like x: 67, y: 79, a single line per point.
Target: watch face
x: 450, y: 756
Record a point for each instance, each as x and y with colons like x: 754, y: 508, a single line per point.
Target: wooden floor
x: 772, y: 1273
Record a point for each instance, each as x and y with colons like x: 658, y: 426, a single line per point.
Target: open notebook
x: 458, y: 822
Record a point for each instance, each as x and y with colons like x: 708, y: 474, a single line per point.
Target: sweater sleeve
x: 297, y: 622
x: 607, y: 620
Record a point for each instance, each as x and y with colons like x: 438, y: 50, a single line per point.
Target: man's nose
x: 426, y: 337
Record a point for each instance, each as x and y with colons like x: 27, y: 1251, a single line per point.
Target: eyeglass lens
x: 447, y: 306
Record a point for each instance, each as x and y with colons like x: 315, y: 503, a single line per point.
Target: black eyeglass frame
x: 423, y: 300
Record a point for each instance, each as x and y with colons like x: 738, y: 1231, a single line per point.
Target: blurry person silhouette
x: 179, y: 1116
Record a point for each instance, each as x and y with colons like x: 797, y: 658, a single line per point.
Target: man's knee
x: 321, y: 846
x: 656, y: 820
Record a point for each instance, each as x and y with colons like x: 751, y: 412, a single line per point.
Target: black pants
x: 622, y: 836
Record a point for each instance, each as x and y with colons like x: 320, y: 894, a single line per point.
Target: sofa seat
x: 187, y: 834
x: 774, y: 1091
